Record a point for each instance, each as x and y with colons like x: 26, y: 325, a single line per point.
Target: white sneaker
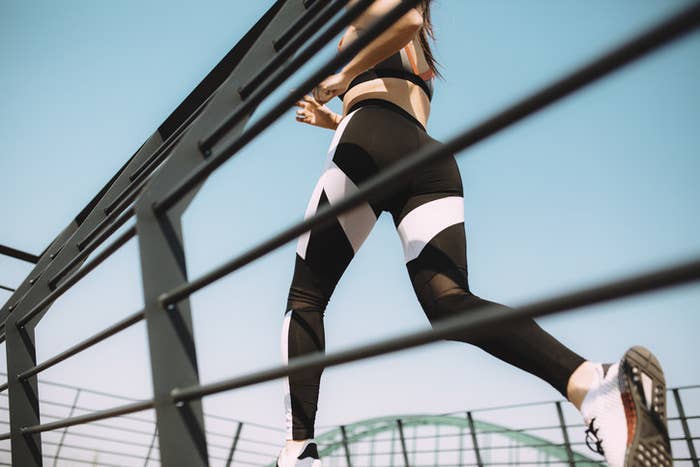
x: 625, y: 411
x: 304, y: 455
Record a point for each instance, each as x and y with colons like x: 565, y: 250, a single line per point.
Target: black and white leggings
x: 428, y: 211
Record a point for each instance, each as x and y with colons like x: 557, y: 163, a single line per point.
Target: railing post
x: 686, y: 429
x: 345, y: 445
x: 403, y: 443
x: 181, y: 433
x: 23, y: 395
x: 229, y: 459
x: 475, y: 441
x: 565, y: 434
x: 170, y: 338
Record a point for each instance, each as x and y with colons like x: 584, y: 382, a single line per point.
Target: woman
x: 386, y: 91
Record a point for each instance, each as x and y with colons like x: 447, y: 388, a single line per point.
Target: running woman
x: 386, y: 91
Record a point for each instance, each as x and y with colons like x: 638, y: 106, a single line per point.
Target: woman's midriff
x: 407, y: 95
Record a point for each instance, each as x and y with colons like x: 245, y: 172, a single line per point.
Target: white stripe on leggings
x: 426, y: 221
x: 357, y: 223
x: 285, y: 360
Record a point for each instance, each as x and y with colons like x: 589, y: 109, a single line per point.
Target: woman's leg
x: 321, y: 258
x: 431, y: 226
x: 623, y: 404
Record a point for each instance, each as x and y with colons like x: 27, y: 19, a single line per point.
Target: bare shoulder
x: 376, y: 10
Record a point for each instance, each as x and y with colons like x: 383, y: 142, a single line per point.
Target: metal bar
x: 686, y: 429
x: 65, y: 431
x: 485, y: 320
x: 172, y: 347
x: 293, y: 29
x: 150, y: 448
x: 6, y: 288
x: 636, y: 47
x: 91, y: 417
x: 18, y: 254
x: 273, y: 82
x: 565, y: 434
x: 150, y: 163
x: 4, y: 386
x: 475, y: 441
x: 345, y: 446
x: 403, y: 443
x: 205, y: 169
x: 291, y: 48
x: 110, y: 219
x: 23, y: 396
x: 87, y: 343
x: 229, y: 459
x: 79, y: 274
x: 172, y: 350
x: 89, y: 248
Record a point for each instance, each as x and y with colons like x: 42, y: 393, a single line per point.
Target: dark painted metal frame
x: 162, y: 177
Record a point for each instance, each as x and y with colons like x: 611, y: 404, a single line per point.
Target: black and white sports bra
x: 403, y: 64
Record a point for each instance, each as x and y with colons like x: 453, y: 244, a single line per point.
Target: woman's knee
x: 451, y: 304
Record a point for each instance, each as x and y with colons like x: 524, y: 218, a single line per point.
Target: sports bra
x: 402, y: 64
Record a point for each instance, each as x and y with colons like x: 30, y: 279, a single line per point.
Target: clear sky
x: 599, y: 186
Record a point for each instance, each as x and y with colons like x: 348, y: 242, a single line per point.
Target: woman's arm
x: 316, y: 114
x: 388, y: 43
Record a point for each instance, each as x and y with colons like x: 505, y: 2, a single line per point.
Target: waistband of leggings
x: 387, y: 105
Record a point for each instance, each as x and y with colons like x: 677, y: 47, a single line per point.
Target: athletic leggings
x: 428, y: 212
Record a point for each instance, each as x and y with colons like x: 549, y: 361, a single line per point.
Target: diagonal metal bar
x: 291, y: 48
x: 86, y: 344
x: 150, y: 164
x: 234, y: 444
x: 346, y: 448
x: 79, y: 274
x: 91, y: 417
x: 565, y: 434
x: 403, y: 443
x: 485, y: 320
x: 668, y: 30
x: 297, y: 27
x: 274, y: 81
x: 686, y: 429
x: 18, y: 254
x: 6, y: 288
x: 92, y: 246
x: 216, y: 160
x: 65, y: 431
x: 475, y: 439
x: 150, y: 447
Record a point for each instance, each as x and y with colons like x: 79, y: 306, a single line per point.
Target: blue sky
x: 601, y: 185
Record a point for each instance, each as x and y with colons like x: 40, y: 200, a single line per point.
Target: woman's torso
x: 408, y: 95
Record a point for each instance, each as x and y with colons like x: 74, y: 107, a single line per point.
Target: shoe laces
x: 592, y: 437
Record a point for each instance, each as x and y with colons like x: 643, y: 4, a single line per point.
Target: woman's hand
x: 316, y: 114
x: 332, y: 86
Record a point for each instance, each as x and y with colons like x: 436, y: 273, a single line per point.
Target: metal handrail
x: 92, y: 246
x: 485, y: 319
x: 85, y: 344
x: 79, y: 274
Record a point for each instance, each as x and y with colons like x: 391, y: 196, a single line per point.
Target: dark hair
x: 425, y: 33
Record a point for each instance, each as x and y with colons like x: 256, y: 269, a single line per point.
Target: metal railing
x: 159, y: 181
x: 541, y: 433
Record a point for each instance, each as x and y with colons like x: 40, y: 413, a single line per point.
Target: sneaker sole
x: 643, y: 391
